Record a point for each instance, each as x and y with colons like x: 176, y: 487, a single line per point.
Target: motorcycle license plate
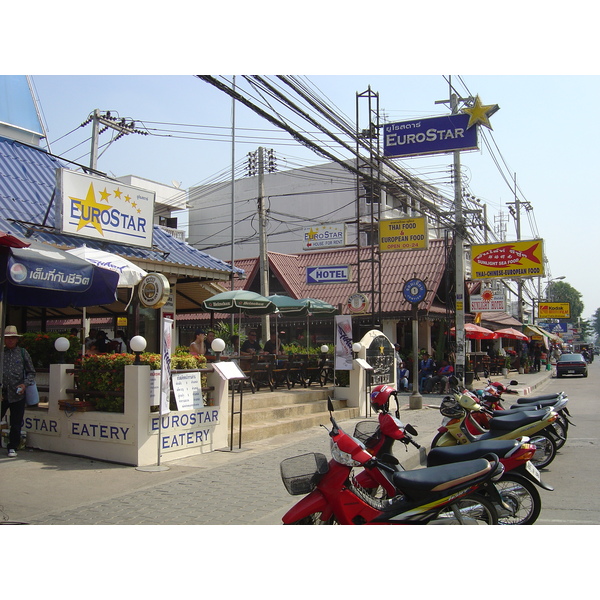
x: 533, y: 470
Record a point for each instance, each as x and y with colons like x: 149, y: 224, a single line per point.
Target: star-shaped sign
x: 90, y: 210
x: 480, y: 113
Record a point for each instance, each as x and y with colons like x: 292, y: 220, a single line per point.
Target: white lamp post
x: 61, y: 345
x: 138, y: 345
x: 217, y: 346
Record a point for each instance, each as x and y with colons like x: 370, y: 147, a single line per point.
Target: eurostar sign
x: 429, y: 136
x: 102, y: 209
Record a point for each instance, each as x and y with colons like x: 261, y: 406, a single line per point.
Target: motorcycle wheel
x: 546, y: 450
x: 315, y: 519
x: 522, y: 496
x: 560, y: 432
x: 475, y: 509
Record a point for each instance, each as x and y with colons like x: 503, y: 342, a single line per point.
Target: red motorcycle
x: 447, y: 494
x: 521, y: 502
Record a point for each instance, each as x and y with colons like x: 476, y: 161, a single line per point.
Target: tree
x: 559, y: 291
x: 596, y: 321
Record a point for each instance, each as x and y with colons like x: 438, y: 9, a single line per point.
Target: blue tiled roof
x: 27, y: 182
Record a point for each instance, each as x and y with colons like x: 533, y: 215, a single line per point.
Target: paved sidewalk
x: 240, y: 487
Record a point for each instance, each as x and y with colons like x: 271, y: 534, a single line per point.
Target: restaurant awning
x: 534, y: 330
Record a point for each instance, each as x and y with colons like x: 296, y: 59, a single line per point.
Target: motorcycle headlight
x: 343, y: 457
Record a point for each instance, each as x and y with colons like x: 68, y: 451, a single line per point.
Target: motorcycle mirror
x: 408, y: 427
x: 329, y: 404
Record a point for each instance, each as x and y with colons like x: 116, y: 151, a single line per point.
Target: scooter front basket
x: 300, y: 474
x: 368, y: 433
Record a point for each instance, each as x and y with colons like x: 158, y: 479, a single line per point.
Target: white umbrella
x: 129, y: 274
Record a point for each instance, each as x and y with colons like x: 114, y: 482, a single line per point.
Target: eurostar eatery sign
x: 508, y: 259
x: 429, y: 136
x: 98, y: 208
x: 554, y: 310
x: 403, y: 234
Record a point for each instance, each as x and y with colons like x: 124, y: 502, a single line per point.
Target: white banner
x: 165, y: 367
x: 343, y: 343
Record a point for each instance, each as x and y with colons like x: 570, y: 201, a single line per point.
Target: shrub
x: 106, y: 373
x: 40, y: 346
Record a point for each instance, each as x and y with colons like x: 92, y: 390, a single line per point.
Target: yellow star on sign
x: 480, y: 113
x: 104, y: 195
x: 90, y: 211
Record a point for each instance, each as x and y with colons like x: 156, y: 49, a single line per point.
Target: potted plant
x: 507, y: 365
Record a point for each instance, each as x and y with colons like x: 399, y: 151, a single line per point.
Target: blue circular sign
x: 414, y: 291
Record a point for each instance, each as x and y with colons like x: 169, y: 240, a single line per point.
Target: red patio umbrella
x: 512, y: 334
x: 475, y: 332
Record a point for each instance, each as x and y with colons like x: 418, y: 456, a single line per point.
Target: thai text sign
x: 488, y: 301
x: 508, y: 259
x: 554, y: 310
x: 403, y: 234
x: 324, y: 236
x: 429, y: 136
x: 103, y: 209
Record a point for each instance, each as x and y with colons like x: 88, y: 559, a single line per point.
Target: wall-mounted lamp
x: 138, y: 345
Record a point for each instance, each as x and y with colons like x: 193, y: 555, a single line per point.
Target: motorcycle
x: 458, y: 425
x: 521, y: 501
x: 491, y: 399
x: 446, y: 494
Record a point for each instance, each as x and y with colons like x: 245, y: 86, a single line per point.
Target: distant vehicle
x: 571, y: 364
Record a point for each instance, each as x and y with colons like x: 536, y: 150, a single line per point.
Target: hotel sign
x: 324, y: 236
x: 102, y: 209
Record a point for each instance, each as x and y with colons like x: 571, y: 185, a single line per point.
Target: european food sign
x: 403, y: 234
x: 508, y: 259
x: 429, y: 136
x: 103, y: 209
x: 554, y: 310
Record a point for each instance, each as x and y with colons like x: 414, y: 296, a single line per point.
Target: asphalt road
x: 574, y: 473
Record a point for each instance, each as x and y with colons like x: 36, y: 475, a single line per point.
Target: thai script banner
x: 103, y: 209
x: 429, y: 136
x: 508, y: 259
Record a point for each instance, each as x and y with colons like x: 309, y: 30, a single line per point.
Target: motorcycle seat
x: 542, y: 403
x: 540, y: 398
x: 443, y: 455
x: 514, y: 420
x: 422, y: 482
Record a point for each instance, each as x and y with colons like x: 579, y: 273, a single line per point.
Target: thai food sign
x: 508, y: 259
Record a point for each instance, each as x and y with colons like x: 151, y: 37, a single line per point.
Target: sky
x: 543, y: 136
x: 536, y: 135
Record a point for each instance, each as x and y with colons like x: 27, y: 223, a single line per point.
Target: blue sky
x: 543, y: 135
x: 545, y: 132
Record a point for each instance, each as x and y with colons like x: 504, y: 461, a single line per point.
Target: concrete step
x: 267, y: 414
x: 260, y: 431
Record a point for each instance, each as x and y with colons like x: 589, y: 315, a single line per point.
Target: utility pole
x: 257, y: 165
x: 107, y: 121
x: 262, y: 241
x: 460, y: 259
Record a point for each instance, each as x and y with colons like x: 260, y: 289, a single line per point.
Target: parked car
x: 571, y: 364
